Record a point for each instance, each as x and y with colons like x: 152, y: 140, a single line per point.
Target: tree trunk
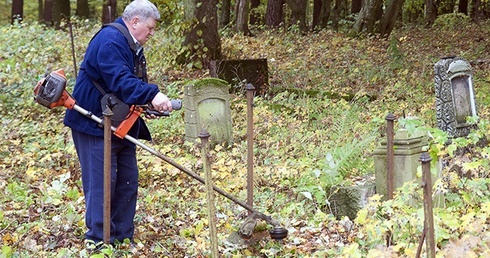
x: 474, y: 13
x: 109, y: 11
x: 445, y: 6
x: 321, y: 13
x: 274, y: 15
x: 209, y: 19
x: 356, y: 6
x: 48, y: 12
x: 389, y: 19
x: 463, y: 6
x: 298, y: 12
x: 337, y: 9
x: 17, y: 11
x: 224, y: 18
x: 242, y: 15
x: 83, y: 10
x: 61, y: 11
x: 430, y: 12
x: 317, y: 8
x: 367, y: 16
x: 202, y: 40
x: 40, y: 12
x: 254, y: 14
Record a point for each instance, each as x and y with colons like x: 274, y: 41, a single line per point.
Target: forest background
x: 332, y: 82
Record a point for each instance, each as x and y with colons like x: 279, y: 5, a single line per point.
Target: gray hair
x: 144, y: 9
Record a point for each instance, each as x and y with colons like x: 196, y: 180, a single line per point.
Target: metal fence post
x: 425, y: 159
x: 250, y: 146
x: 208, y: 181
x: 389, y: 155
x: 107, y: 174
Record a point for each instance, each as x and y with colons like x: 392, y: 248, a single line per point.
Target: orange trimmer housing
x: 50, y: 91
x: 125, y: 125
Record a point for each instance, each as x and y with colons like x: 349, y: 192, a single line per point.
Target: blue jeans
x: 124, y: 185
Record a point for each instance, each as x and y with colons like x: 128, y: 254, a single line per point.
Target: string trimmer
x: 50, y: 92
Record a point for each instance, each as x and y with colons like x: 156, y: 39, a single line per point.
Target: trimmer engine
x: 50, y: 91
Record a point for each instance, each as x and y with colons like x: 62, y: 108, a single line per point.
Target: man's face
x: 142, y: 30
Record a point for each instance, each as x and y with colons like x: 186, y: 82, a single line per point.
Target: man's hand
x: 161, y: 103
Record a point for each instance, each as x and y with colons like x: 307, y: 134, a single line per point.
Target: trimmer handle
x: 176, y: 105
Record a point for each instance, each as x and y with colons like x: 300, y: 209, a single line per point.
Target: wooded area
x: 201, y: 20
x: 320, y: 127
x: 370, y: 16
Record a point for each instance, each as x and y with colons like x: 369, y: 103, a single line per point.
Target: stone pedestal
x: 207, y: 106
x: 407, y: 150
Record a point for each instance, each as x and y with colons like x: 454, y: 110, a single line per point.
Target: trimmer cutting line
x: 50, y: 92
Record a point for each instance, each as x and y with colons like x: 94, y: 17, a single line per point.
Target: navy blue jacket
x: 109, y: 61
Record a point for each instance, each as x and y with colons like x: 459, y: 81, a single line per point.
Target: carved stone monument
x: 207, y: 106
x: 455, y: 96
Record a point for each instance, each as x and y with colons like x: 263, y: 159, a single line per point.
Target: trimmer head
x: 248, y: 227
x: 278, y: 233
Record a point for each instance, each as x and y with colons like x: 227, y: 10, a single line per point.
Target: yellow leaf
x: 410, y: 252
x: 247, y: 252
x: 8, y: 239
x: 198, y: 228
x: 375, y: 253
x: 471, y: 165
x: 361, y: 216
x: 419, y: 172
x: 398, y: 247
x: 485, y: 253
x: 31, y: 173
x: 466, y: 220
x: 485, y: 207
x: 375, y: 198
x: 352, y: 251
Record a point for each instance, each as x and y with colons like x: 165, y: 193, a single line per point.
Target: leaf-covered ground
x: 42, y: 205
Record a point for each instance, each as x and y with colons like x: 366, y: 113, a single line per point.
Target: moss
x: 261, y: 226
x: 199, y: 83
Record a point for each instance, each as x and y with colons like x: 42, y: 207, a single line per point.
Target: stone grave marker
x: 348, y: 200
x: 455, y: 96
x: 207, y: 106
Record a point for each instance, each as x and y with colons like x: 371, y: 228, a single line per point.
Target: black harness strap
x: 126, y: 34
x: 139, y: 60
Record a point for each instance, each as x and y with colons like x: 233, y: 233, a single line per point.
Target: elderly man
x: 114, y: 63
